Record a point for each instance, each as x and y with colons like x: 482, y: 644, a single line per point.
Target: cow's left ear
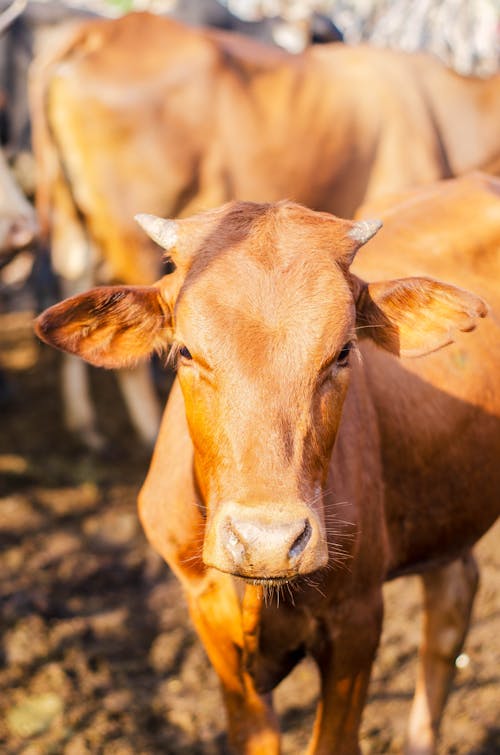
x: 112, y: 326
x: 415, y: 316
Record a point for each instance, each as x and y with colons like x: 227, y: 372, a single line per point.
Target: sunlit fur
x: 271, y: 447
x: 195, y: 117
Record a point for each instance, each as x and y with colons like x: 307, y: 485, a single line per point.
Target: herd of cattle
x: 335, y: 421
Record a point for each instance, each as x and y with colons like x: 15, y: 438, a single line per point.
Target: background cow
x: 194, y: 117
x: 17, y: 216
x: 297, y: 446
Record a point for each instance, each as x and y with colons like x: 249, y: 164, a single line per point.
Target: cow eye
x: 343, y: 355
x: 185, y: 353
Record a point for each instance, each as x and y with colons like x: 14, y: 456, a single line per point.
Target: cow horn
x: 363, y: 230
x: 163, y: 232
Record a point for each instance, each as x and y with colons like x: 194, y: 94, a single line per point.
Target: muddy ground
x: 97, y: 651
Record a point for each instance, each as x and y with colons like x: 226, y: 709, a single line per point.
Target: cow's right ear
x: 414, y: 316
x: 112, y: 326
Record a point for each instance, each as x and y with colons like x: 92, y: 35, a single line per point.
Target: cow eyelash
x: 339, y: 362
x: 184, y: 352
x: 178, y: 351
x: 342, y: 359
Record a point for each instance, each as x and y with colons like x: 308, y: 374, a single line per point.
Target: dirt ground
x: 97, y: 652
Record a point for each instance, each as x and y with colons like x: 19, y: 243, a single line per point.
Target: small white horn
x: 363, y: 230
x: 164, y: 232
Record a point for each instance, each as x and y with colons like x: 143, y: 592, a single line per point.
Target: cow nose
x: 266, y: 549
x: 268, y: 540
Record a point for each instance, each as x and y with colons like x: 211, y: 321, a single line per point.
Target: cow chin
x: 269, y: 543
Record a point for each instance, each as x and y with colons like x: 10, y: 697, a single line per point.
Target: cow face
x: 260, y: 315
x: 263, y: 352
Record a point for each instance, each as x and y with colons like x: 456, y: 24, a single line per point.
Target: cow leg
x: 252, y: 725
x: 73, y: 260
x: 448, y: 597
x: 345, y: 663
x: 138, y: 391
x: 79, y: 415
x: 78, y: 408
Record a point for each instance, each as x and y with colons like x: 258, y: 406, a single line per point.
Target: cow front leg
x: 79, y: 415
x: 345, y: 663
x: 448, y: 598
x: 136, y: 385
x: 251, y: 723
x: 72, y: 260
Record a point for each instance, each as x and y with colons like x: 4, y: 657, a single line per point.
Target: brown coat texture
x: 306, y: 455
x: 145, y: 114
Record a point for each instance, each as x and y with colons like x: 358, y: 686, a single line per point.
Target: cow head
x: 261, y: 316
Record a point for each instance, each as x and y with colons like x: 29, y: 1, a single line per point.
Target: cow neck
x: 251, y: 611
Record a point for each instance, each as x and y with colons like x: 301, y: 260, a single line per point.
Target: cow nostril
x: 300, y: 542
x: 234, y: 544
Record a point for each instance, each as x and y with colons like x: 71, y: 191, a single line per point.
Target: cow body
x: 450, y: 217
x: 298, y: 453
x: 144, y: 113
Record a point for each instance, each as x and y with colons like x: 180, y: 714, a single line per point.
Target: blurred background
x: 97, y: 652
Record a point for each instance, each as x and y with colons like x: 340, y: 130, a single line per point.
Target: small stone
x: 70, y: 501
x: 26, y: 641
x: 182, y: 718
x: 118, y: 701
x: 111, y: 529
x: 107, y: 623
x: 51, y: 677
x: 165, y: 649
x: 462, y: 661
x: 17, y: 515
x: 13, y: 464
x: 77, y: 746
x: 56, y: 546
x: 13, y: 559
x: 34, y: 715
x: 118, y: 747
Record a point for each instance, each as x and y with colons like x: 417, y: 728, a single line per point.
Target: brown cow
x: 298, y: 453
x: 142, y: 112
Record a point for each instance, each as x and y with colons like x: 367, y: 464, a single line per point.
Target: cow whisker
x: 340, y: 534
x: 371, y: 325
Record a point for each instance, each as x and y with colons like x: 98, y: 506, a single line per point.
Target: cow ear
x: 112, y: 326
x: 415, y: 316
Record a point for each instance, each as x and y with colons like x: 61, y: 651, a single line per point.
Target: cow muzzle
x: 265, y: 542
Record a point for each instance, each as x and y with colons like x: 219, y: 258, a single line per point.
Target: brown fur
x: 389, y: 465
x: 144, y: 114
